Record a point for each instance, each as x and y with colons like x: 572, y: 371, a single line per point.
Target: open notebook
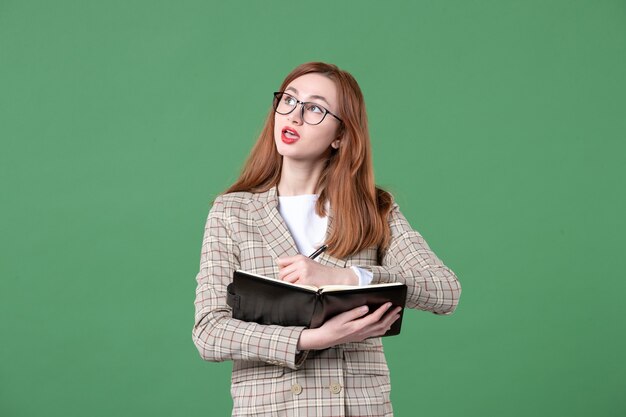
x: 267, y: 300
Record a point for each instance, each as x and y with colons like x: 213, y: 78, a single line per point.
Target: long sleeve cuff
x: 365, y: 276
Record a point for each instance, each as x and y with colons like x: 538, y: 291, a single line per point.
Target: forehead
x: 308, y: 85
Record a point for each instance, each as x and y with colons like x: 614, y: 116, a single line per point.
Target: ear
x: 335, y: 143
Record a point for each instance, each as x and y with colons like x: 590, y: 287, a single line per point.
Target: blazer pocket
x: 365, y: 362
x: 257, y: 389
x: 366, y: 372
x: 255, y: 371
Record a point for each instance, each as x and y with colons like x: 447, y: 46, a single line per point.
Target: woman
x: 309, y: 181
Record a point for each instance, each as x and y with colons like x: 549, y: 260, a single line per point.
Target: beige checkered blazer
x: 246, y: 231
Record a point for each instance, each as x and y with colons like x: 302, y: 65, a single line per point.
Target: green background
x: 499, y: 126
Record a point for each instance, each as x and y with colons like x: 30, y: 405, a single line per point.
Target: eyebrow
x: 310, y: 97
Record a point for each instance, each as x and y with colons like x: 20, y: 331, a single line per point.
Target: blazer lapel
x: 271, y: 225
x: 274, y: 231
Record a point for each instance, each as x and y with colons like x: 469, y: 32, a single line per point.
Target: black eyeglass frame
x: 277, y: 96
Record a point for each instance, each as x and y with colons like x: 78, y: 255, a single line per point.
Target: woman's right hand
x: 351, y: 326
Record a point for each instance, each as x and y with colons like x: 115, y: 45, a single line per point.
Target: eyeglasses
x: 311, y: 113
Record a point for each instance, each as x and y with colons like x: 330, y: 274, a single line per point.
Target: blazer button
x: 335, y: 388
x: 296, y: 389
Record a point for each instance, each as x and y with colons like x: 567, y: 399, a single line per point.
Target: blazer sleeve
x: 431, y: 285
x: 216, y: 334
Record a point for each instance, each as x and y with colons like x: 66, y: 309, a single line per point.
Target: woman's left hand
x: 300, y: 269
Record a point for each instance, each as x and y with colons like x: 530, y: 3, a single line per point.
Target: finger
x: 288, y: 260
x: 291, y: 277
x: 395, y: 310
x: 381, y: 327
x: 391, y: 318
x: 371, y: 320
x: 284, y: 271
x: 283, y: 261
x: 353, y: 314
x: 390, y: 322
x: 379, y: 322
x: 380, y: 311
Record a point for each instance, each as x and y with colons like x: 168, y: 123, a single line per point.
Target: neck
x: 299, y: 177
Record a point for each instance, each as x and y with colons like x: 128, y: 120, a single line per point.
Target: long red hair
x: 359, y: 210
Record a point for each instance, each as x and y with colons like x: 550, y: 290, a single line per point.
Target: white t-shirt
x: 308, y: 229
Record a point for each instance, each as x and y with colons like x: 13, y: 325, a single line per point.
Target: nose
x: 297, y: 114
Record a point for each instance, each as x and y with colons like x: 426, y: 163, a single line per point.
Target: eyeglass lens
x: 312, y: 113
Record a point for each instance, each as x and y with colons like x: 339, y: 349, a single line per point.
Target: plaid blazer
x: 245, y: 231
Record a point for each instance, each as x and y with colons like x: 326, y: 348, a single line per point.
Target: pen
x: 318, y: 252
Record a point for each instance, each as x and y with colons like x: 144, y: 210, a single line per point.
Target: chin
x: 280, y: 146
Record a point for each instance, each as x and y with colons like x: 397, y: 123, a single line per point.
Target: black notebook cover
x: 270, y: 301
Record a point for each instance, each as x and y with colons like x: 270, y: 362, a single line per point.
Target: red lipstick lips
x: 289, y: 135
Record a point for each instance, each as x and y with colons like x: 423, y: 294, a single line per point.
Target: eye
x: 314, y: 108
x: 289, y: 100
